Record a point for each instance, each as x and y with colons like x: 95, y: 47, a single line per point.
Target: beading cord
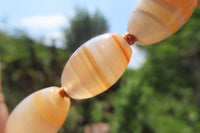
x: 62, y: 93
x: 131, y: 39
x: 90, y: 71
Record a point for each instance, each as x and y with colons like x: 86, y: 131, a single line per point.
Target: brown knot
x: 131, y: 39
x: 62, y: 93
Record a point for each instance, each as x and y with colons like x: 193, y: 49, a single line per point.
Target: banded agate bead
x: 154, y: 20
x: 96, y: 66
x: 42, y: 112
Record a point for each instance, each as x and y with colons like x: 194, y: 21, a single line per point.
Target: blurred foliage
x: 84, y: 26
x: 28, y: 66
x: 161, y: 97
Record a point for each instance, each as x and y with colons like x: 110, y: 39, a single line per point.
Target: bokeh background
x: 158, y: 93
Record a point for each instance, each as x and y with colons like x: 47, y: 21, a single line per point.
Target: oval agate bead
x: 42, y: 112
x: 96, y: 66
x: 154, y: 20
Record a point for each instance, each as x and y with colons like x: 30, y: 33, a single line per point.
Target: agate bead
x: 96, y: 66
x: 42, y: 112
x: 154, y: 20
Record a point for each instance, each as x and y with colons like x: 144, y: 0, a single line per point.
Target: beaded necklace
x: 90, y: 70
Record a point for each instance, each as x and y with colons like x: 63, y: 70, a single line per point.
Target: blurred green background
x: 163, y: 96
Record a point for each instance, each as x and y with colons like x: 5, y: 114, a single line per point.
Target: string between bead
x: 130, y: 38
x: 62, y: 93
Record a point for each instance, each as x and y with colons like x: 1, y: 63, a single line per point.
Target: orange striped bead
x: 154, y: 20
x: 96, y: 66
x: 42, y: 112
